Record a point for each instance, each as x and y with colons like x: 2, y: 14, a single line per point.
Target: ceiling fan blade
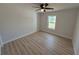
x: 49, y: 8
x: 37, y: 9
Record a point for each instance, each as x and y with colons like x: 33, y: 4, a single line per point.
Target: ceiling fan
x: 43, y: 7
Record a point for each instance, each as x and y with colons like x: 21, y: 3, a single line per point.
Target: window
x: 51, y: 22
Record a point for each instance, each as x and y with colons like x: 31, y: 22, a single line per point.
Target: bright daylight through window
x: 51, y: 22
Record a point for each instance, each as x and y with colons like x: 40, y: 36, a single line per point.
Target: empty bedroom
x: 39, y: 28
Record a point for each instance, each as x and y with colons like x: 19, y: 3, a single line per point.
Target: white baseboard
x: 63, y: 36
x: 58, y: 34
x: 18, y: 37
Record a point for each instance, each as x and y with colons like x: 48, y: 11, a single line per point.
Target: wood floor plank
x: 23, y: 51
x: 16, y: 48
x: 7, y: 49
x: 27, y: 47
x: 39, y: 43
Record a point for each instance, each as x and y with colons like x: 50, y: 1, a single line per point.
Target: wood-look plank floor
x: 39, y: 43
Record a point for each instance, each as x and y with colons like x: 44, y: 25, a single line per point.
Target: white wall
x: 64, y: 25
x: 38, y: 21
x: 76, y: 36
x: 16, y: 20
x: 0, y: 40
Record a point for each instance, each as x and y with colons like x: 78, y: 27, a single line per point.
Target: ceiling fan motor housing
x: 42, y: 5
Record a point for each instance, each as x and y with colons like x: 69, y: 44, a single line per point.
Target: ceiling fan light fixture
x: 42, y: 10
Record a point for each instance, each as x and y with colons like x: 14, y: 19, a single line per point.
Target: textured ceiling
x: 56, y: 6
